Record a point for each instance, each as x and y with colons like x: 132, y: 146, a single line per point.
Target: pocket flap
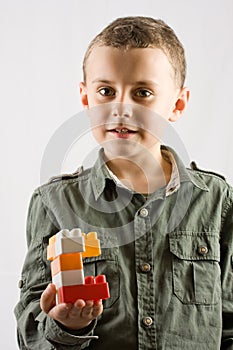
x: 195, y: 246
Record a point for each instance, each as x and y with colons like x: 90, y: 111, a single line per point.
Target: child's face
x: 135, y: 77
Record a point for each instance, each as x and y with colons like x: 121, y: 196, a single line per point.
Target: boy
x: 166, y: 230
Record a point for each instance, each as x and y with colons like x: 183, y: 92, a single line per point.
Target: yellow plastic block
x: 51, y: 254
x: 64, y: 262
x: 52, y: 239
x: 92, y: 245
x: 51, y: 248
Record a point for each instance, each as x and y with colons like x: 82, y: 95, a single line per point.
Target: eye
x: 143, y: 93
x: 106, y: 91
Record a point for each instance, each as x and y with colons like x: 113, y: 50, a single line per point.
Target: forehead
x: 148, y: 63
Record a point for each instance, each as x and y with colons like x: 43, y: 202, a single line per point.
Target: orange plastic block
x: 92, y: 245
x: 64, y: 262
x: 93, y: 289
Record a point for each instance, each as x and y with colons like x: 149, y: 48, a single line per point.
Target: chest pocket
x: 195, y: 267
x: 105, y: 264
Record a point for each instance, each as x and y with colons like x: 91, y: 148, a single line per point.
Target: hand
x: 73, y: 316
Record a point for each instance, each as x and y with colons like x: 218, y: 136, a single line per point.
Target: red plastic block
x: 93, y: 289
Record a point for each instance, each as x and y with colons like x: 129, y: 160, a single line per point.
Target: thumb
x: 48, y: 298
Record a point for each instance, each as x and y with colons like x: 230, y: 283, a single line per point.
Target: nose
x: 122, y: 110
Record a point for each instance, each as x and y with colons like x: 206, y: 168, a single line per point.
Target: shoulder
x: 64, y: 179
x: 210, y: 173
x: 214, y: 181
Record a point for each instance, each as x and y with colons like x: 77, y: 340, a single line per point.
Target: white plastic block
x: 69, y: 242
x: 68, y: 278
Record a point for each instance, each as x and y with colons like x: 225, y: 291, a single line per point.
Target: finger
x: 60, y: 311
x: 79, y: 303
x: 48, y: 298
x: 89, y: 304
x: 88, y: 308
x: 76, y: 310
x: 97, y: 309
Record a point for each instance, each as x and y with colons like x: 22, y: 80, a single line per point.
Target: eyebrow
x: 146, y: 82
x: 109, y: 82
x: 99, y: 80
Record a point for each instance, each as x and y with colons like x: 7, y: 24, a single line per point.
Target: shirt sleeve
x: 227, y: 275
x: 35, y: 329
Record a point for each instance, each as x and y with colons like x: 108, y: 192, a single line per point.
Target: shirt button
x: 147, y: 321
x: 20, y: 284
x: 144, y: 212
x: 203, y: 250
x: 145, y: 267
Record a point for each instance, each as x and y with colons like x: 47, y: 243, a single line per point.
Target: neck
x: 143, y: 173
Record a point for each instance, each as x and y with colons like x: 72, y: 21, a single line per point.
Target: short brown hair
x: 142, y: 32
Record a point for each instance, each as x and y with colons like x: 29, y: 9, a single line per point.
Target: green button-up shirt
x: 168, y: 259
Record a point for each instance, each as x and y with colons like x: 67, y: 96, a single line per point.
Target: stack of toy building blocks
x: 66, y: 250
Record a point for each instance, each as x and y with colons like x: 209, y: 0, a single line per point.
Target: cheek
x: 92, y: 101
x: 92, y: 98
x: 154, y: 127
x: 164, y: 105
x: 98, y: 134
x: 150, y: 140
x: 100, y: 118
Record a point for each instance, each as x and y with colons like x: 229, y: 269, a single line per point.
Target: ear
x: 180, y: 104
x: 83, y: 94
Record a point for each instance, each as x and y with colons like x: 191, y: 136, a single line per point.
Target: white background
x: 42, y: 43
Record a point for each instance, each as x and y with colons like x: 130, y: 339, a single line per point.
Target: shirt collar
x: 186, y: 175
x: 100, y: 172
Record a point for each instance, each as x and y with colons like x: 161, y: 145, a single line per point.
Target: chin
x: 122, y: 149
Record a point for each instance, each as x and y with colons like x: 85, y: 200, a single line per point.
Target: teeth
x: 123, y: 130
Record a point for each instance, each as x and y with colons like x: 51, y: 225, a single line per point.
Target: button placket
x: 145, y: 279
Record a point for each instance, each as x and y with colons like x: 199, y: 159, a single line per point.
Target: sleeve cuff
x: 81, y: 332
x: 58, y: 334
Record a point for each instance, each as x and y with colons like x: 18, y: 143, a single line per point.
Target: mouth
x: 122, y: 132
